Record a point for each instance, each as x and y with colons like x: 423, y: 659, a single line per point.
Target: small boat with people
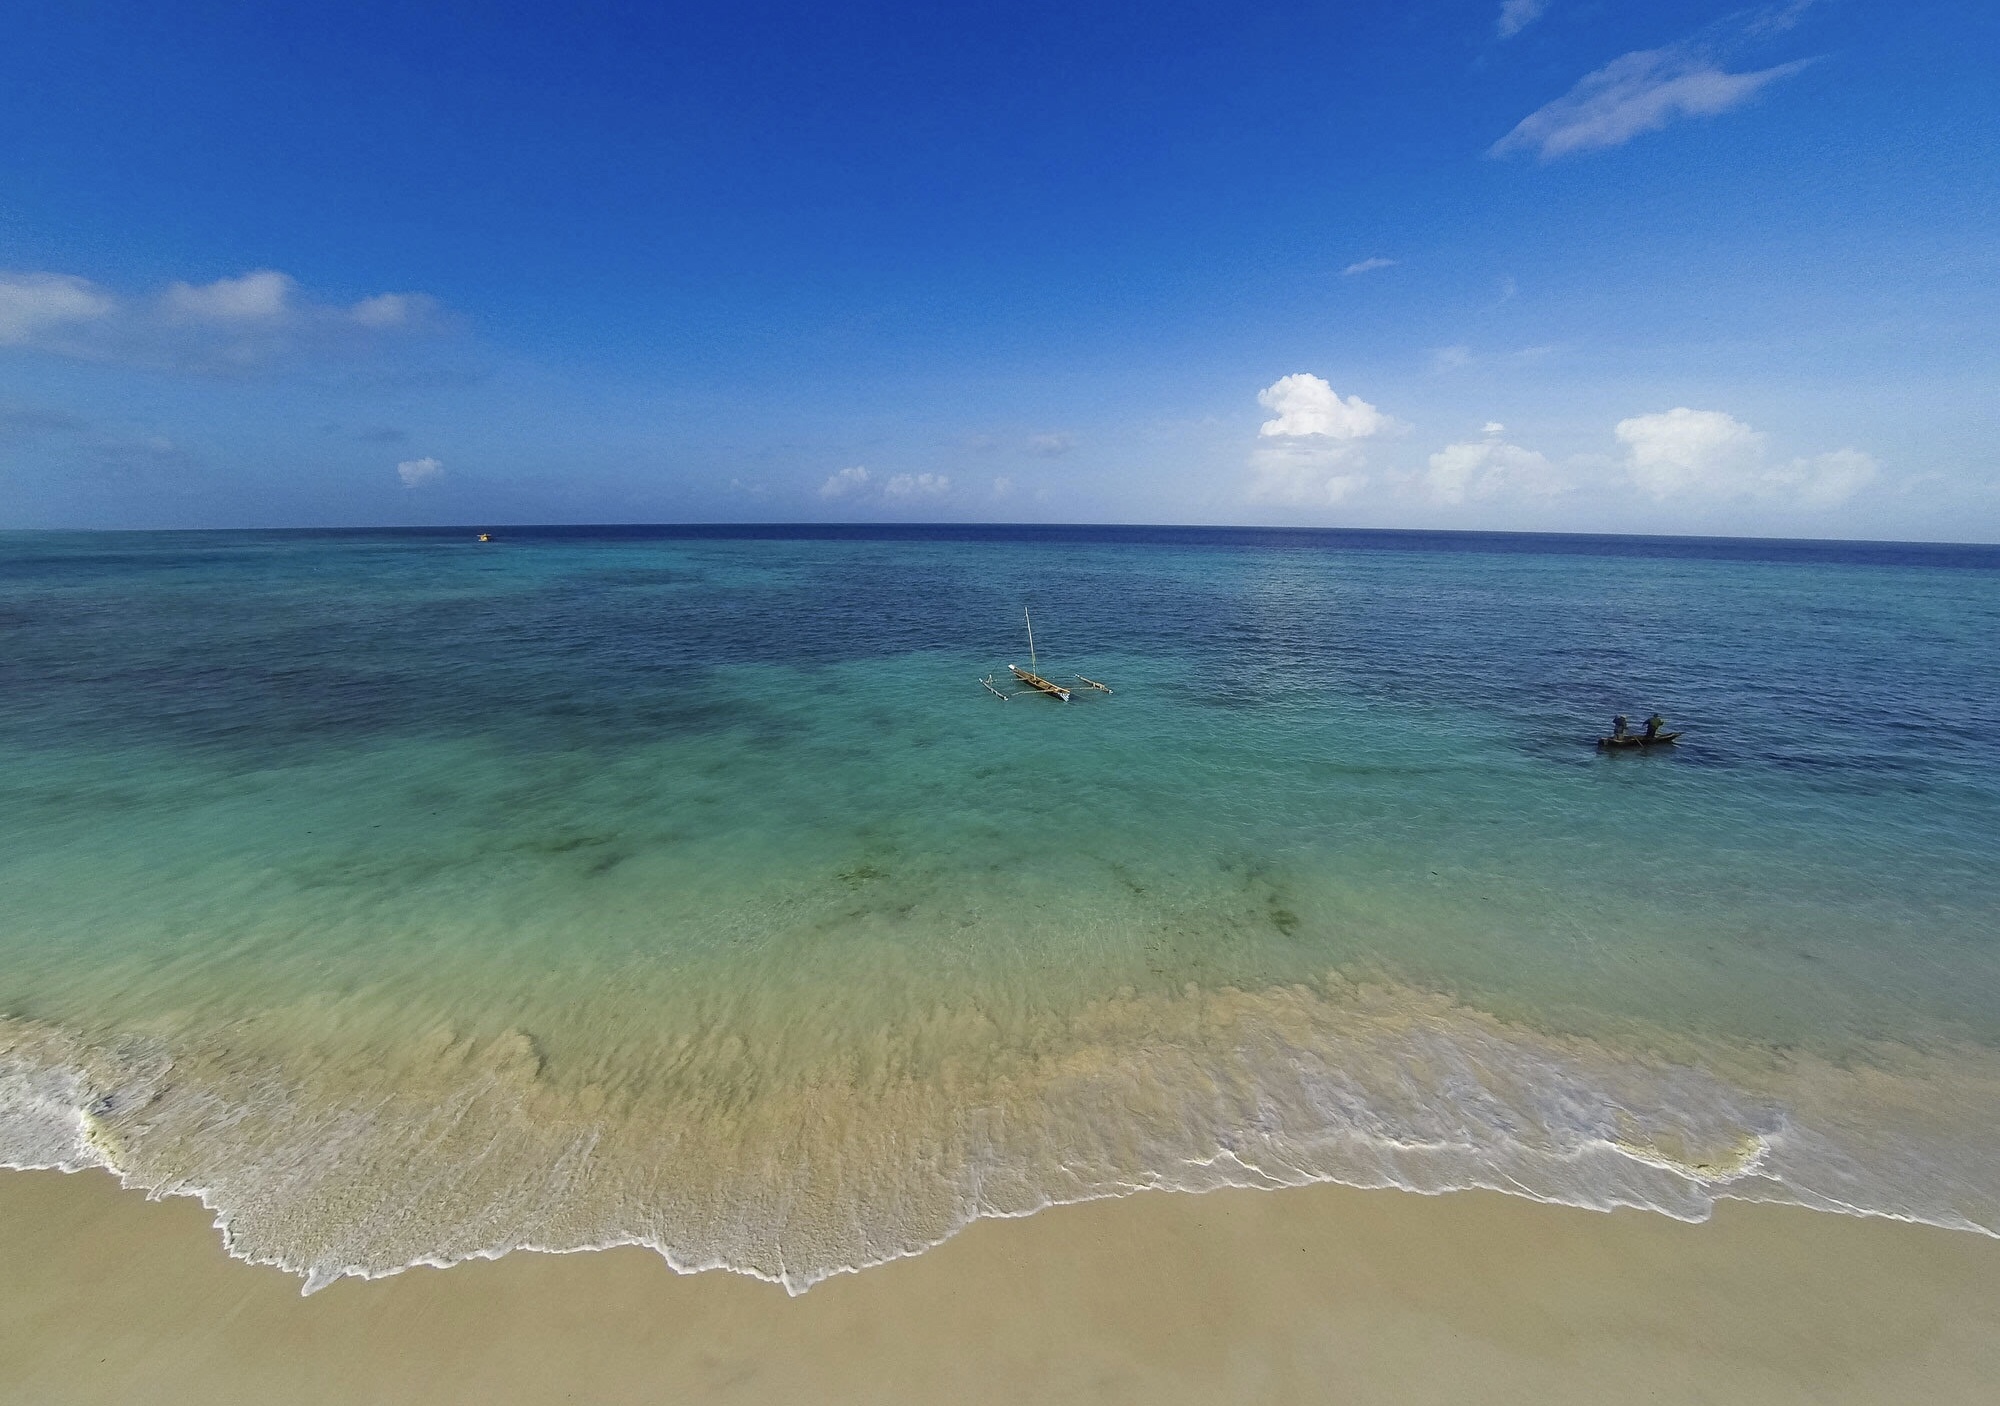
x: 1623, y: 737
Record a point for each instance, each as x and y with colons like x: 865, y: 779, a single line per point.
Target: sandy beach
x: 1317, y: 1294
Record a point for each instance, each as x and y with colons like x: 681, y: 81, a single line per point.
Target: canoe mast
x: 1028, y: 675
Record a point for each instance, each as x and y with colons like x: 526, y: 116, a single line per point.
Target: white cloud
x: 256, y: 322
x: 1826, y: 480
x: 1638, y: 92
x: 1367, y: 266
x: 1689, y: 451
x: 845, y: 483
x: 34, y: 303
x: 1683, y: 453
x: 262, y: 296
x: 917, y: 486
x: 1517, y: 15
x: 390, y: 309
x: 1305, y: 475
x: 1313, y: 450
x: 1050, y: 446
x: 1493, y: 427
x: 1306, y: 405
x: 858, y: 482
x: 1340, y: 486
x: 1003, y: 486
x: 415, y: 473
x: 1490, y: 469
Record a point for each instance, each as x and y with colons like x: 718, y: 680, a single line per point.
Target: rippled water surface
x: 411, y: 898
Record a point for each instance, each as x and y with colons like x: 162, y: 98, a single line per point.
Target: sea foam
x: 366, y: 1162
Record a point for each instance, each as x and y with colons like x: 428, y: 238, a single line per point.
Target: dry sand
x: 1321, y: 1294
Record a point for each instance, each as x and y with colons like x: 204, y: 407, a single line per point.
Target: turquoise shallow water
x: 411, y: 899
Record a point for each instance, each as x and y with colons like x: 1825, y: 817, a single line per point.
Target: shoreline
x: 1315, y: 1293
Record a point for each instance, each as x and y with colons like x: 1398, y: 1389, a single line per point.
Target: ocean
x: 412, y: 899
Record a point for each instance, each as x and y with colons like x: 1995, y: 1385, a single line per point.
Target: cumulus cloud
x: 1486, y: 469
x: 858, y: 482
x: 1707, y: 454
x: 1051, y: 446
x: 1689, y: 451
x: 255, y: 321
x: 415, y: 473
x: 1367, y: 266
x: 1517, y: 15
x: 1310, y: 452
x: 845, y: 483
x: 1304, y: 405
x: 32, y: 304
x: 917, y: 486
x: 1638, y: 92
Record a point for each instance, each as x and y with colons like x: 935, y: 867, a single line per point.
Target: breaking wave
x: 796, y: 1160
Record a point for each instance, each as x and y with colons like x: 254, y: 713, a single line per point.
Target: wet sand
x: 1318, y: 1294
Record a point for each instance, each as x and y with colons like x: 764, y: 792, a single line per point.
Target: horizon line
x: 796, y: 525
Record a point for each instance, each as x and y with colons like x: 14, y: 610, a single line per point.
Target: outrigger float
x: 1034, y: 681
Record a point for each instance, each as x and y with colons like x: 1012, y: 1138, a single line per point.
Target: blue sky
x: 1535, y: 264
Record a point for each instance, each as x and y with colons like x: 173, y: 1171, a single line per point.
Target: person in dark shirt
x: 1618, y: 726
x: 1653, y: 726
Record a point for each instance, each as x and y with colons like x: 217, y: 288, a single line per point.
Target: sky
x: 1565, y: 265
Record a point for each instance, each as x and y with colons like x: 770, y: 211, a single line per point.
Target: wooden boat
x: 1036, y: 681
x: 1636, y: 739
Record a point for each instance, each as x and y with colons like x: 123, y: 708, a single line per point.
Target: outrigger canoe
x: 1637, y: 739
x: 1037, y: 682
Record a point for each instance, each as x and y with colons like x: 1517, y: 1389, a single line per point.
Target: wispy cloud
x: 391, y: 309
x: 255, y: 321
x: 415, y: 473
x: 908, y: 486
x: 100, y: 451
x: 263, y: 296
x: 35, y: 306
x: 1517, y: 15
x: 1649, y: 89
x: 1367, y: 266
x: 1051, y: 446
x: 1490, y: 468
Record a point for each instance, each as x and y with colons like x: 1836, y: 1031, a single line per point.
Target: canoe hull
x: 1038, y: 683
x: 1619, y: 744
